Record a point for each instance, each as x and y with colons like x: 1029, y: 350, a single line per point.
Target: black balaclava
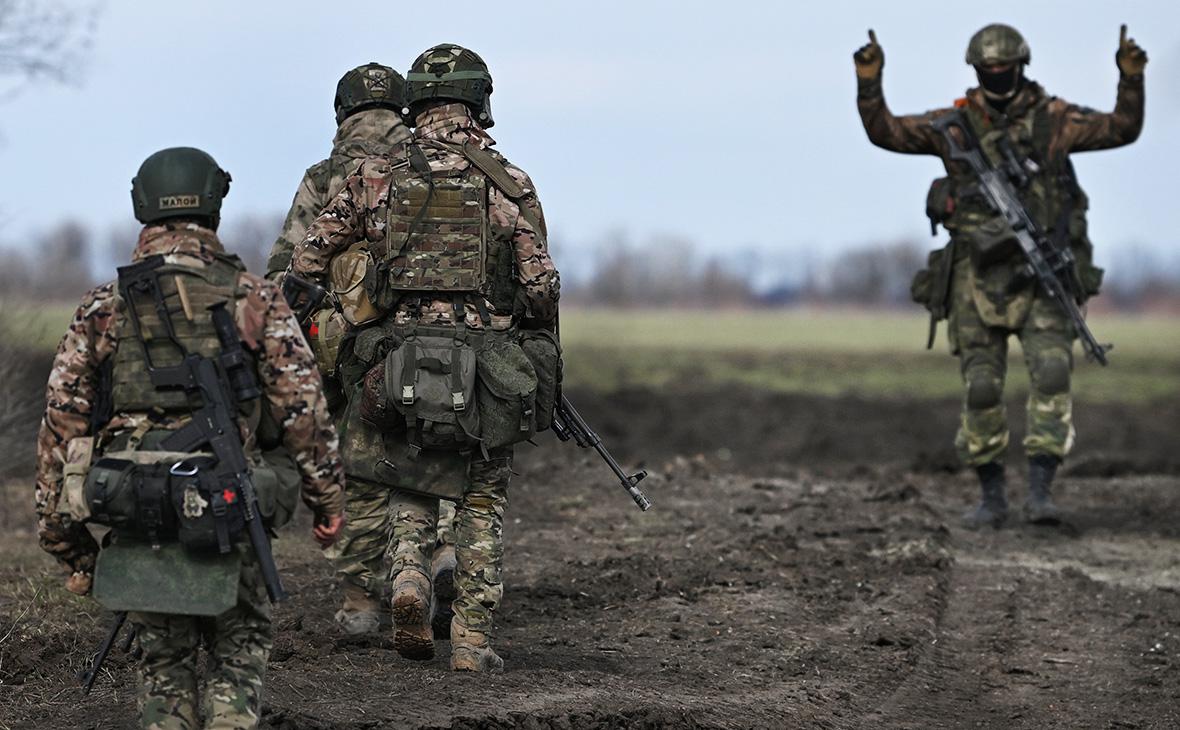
x: 1001, y: 87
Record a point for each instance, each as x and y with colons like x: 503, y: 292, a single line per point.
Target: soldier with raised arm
x: 989, y: 295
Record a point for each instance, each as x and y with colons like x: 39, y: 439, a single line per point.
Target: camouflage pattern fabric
x: 359, y: 211
x: 364, y: 134
x: 414, y: 533
x: 286, y: 371
x: 1046, y: 337
x: 239, y: 643
x: 992, y: 301
x: 479, y: 541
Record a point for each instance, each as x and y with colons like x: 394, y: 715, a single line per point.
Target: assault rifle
x: 220, y: 384
x: 1053, y: 268
x: 569, y: 424
x: 303, y: 296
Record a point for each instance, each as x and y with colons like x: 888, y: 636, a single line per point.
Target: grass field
x: 828, y: 352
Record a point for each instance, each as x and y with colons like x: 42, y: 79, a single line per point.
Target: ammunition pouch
x: 277, y: 483
x: 327, y: 331
x: 131, y: 498
x: 507, y: 392
x: 209, y: 514
x: 544, y: 352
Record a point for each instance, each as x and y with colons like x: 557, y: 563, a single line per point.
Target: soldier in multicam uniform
x: 177, y: 194
x: 459, y: 260
x: 369, y: 102
x: 991, y: 297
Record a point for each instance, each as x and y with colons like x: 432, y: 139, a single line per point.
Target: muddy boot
x: 993, y: 506
x: 1039, y: 508
x: 471, y: 651
x: 360, y: 614
x: 412, y: 637
x: 442, y: 571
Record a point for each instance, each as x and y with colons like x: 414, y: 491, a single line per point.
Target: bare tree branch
x: 43, y: 40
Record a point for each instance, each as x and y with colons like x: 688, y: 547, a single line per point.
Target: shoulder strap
x: 498, y: 173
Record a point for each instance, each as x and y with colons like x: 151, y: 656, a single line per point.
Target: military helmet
x: 369, y: 86
x: 997, y: 44
x: 449, y: 71
x: 179, y: 182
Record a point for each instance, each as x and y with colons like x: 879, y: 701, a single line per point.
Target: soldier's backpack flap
x: 430, y: 380
x: 507, y: 393
x: 544, y: 352
x: 132, y: 576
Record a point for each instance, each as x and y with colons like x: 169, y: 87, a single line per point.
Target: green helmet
x: 179, y: 182
x: 449, y: 71
x: 997, y: 44
x: 368, y: 87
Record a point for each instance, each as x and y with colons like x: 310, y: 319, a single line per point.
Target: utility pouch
x: 990, y: 242
x: 544, y: 352
x: 507, y: 393
x: 931, y: 285
x: 208, y: 513
x: 325, y: 334
x: 277, y: 482
x: 430, y: 381
x: 131, y: 498
x: 79, y: 454
x: 346, y: 273
x: 939, y: 203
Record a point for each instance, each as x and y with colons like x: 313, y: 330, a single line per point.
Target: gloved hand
x: 79, y: 583
x: 869, y: 58
x: 1130, y: 58
x: 327, y: 530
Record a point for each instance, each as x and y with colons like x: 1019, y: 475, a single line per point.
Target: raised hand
x: 869, y: 58
x: 1130, y: 58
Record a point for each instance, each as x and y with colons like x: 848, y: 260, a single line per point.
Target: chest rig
x: 1019, y: 146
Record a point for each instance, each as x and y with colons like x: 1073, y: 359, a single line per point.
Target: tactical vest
x: 188, y: 294
x: 1047, y: 187
x: 439, y: 242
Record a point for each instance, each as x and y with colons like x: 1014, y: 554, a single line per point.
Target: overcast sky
x: 730, y: 123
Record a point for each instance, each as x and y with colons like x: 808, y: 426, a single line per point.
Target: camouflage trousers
x: 238, y: 643
x: 1046, y: 337
x: 479, y: 538
x: 362, y: 555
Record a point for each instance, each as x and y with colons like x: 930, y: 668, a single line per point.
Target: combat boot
x: 993, y: 505
x: 413, y: 637
x: 442, y: 571
x: 361, y: 613
x: 471, y: 651
x: 1039, y: 508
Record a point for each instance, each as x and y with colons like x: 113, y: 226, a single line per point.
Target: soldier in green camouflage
x: 101, y: 402
x: 461, y: 271
x: 1020, y: 127
x: 369, y: 105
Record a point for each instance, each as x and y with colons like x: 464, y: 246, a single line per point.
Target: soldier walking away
x: 981, y: 282
x: 369, y: 105
x: 460, y: 363
x: 167, y: 388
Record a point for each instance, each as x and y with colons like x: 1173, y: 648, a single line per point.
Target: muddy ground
x: 802, y: 567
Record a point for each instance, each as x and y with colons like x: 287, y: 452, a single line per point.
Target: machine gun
x: 1053, y: 268
x: 220, y: 384
x: 569, y: 424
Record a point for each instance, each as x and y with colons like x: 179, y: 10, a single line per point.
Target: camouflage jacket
x: 368, y: 133
x: 356, y: 213
x: 286, y: 370
x: 1072, y: 128
x: 1041, y: 128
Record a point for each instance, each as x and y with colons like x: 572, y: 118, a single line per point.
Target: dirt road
x: 802, y: 567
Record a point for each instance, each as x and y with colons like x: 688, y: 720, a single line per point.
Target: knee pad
x: 985, y: 389
x: 1050, y: 372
